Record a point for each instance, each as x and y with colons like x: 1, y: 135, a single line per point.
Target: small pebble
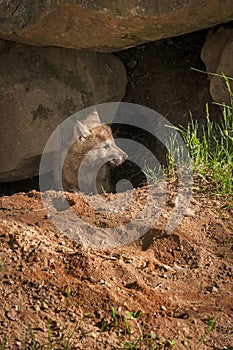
x: 190, y: 212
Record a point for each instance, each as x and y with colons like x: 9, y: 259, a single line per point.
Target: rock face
x: 106, y: 25
x: 217, y: 54
x: 39, y: 88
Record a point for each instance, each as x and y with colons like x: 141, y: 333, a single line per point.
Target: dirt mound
x: 53, y: 288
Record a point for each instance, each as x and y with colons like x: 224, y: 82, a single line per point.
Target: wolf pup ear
x: 93, y: 119
x: 81, y: 131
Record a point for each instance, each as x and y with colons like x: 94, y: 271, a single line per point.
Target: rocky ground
x: 55, y: 291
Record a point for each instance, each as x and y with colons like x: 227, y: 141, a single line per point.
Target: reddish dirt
x: 178, y: 280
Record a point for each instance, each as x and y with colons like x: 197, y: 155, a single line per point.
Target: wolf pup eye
x: 107, y: 145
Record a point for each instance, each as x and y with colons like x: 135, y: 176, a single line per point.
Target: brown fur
x: 98, y: 146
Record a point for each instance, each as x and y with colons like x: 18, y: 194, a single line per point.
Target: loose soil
x: 178, y: 280
x: 53, y: 288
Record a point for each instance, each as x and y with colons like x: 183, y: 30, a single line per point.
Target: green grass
x: 127, y: 326
x: 211, y: 322
x: 3, y: 343
x: 212, y: 152
x: 211, y: 149
x: 130, y: 334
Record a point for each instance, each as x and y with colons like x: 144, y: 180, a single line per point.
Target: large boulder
x: 39, y: 88
x: 106, y: 25
x: 217, y: 54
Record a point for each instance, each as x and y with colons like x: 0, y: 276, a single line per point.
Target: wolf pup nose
x: 93, y: 144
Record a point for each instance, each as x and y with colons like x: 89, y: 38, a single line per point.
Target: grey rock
x: 217, y: 54
x: 106, y: 25
x: 41, y: 87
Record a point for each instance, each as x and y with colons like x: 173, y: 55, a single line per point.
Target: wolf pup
x: 93, y: 146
